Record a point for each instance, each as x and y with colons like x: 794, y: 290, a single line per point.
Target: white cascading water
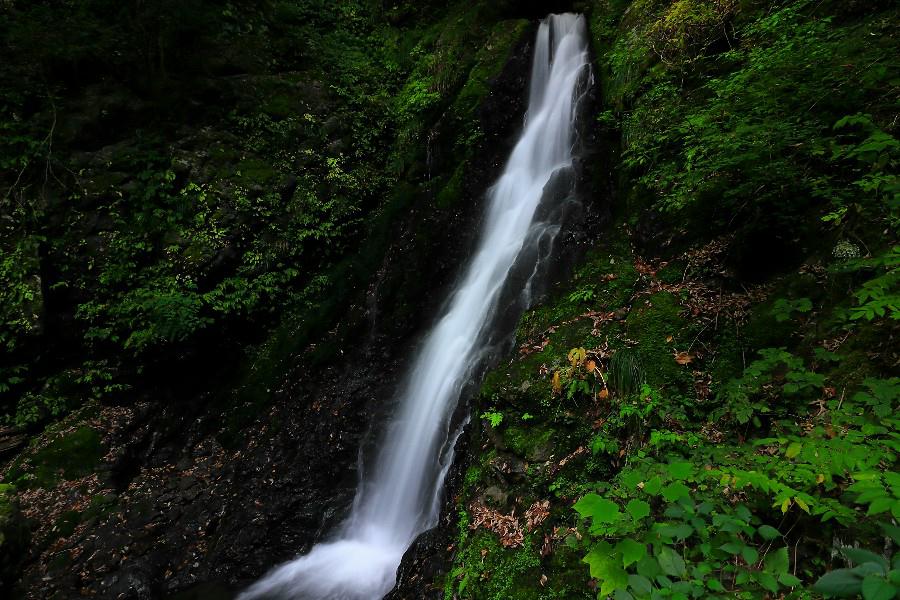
x: 400, y: 500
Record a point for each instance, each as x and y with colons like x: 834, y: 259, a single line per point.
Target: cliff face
x: 226, y: 294
x: 225, y: 228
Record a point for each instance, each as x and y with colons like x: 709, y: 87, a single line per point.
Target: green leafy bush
x: 874, y: 576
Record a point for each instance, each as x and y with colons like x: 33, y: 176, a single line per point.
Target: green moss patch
x: 70, y: 457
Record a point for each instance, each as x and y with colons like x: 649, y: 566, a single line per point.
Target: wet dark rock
x: 496, y: 496
x: 11, y: 440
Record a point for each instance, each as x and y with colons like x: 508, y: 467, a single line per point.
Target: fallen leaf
x: 576, y: 356
x: 684, y: 358
x: 603, y: 394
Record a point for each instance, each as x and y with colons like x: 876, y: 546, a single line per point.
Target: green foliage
x: 582, y: 295
x: 880, y: 491
x: 873, y: 156
x: 754, y: 393
x: 874, y: 576
x: 22, y: 295
x: 685, y: 548
x: 70, y: 456
x: 720, y: 134
x: 784, y: 308
x: 14, y: 533
x: 198, y: 227
x: 626, y: 374
x: 493, y: 417
x: 879, y: 296
x: 687, y: 28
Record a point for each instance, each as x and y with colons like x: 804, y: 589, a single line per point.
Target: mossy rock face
x: 14, y: 534
x: 488, y: 63
x: 659, y: 330
x: 254, y: 171
x: 69, y: 457
x: 534, y: 444
x: 488, y: 571
x: 452, y: 190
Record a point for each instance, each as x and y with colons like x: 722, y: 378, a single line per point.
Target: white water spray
x: 401, y: 498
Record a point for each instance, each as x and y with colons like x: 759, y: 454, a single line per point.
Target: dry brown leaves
x: 46, y: 508
x: 647, y: 269
x: 708, y: 254
x: 702, y: 384
x: 833, y: 344
x: 684, y: 358
x: 702, y: 301
x: 555, y: 468
x: 507, y: 527
x: 597, y: 317
x: 536, y: 514
x: 708, y: 304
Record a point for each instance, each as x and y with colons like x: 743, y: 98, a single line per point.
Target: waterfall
x: 399, y: 499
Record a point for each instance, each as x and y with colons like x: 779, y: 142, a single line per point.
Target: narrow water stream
x: 398, y: 500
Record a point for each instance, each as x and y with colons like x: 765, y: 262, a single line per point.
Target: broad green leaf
x: 868, y: 568
x: 597, y: 508
x: 606, y: 569
x: 631, y: 479
x: 877, y: 588
x: 675, y: 491
x: 767, y: 532
x: 668, y: 531
x: 652, y: 486
x: 750, y: 554
x: 664, y: 582
x: 648, y: 567
x: 767, y: 581
x: 671, y: 562
x: 732, y: 547
x: 778, y: 562
x: 789, y: 580
x: 620, y: 595
x: 891, y: 531
x: 679, y: 470
x: 880, y: 505
x: 640, y: 584
x: 793, y: 449
x: 840, y: 582
x: 638, y: 509
x: 860, y: 556
x: 631, y: 550
x: 615, y: 579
